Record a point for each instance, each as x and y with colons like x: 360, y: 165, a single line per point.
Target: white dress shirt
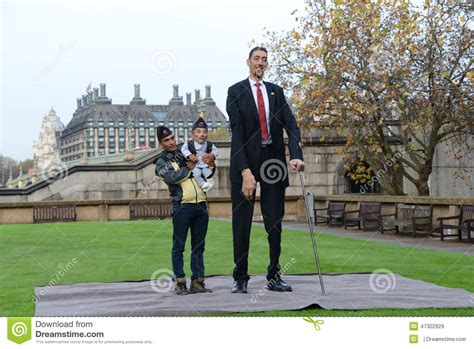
x: 265, y: 101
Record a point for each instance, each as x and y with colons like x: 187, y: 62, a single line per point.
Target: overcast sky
x: 51, y: 50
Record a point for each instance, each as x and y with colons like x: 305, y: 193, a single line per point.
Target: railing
x: 43, y: 214
x: 150, y: 211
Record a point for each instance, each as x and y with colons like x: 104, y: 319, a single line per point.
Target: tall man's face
x: 257, y: 64
x: 168, y: 143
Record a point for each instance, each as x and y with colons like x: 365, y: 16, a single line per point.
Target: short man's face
x: 257, y: 64
x: 200, y: 135
x: 168, y: 143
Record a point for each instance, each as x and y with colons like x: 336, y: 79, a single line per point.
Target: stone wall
x: 136, y: 180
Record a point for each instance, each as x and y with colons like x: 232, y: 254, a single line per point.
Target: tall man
x: 189, y: 210
x: 258, y: 114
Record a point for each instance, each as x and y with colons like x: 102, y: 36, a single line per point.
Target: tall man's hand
x: 249, y: 184
x: 297, y: 165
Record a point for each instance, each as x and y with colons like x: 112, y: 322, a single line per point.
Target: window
x: 159, y: 116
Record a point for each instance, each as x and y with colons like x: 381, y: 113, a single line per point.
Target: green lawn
x: 132, y: 250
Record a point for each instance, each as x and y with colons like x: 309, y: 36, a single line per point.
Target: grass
x: 33, y: 255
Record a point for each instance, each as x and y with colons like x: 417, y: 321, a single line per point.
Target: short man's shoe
x: 240, y: 286
x: 198, y: 286
x: 180, y: 288
x: 278, y: 286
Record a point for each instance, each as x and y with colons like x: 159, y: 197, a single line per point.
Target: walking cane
x: 313, y: 238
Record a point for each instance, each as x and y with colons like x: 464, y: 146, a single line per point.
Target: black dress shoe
x: 240, y: 286
x: 278, y: 286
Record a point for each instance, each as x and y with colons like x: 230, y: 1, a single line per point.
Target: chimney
x: 188, y: 98
x: 96, y: 93
x: 137, y: 90
x: 84, y: 100
x: 208, y: 100
x: 102, y: 91
x: 176, y: 100
x: 79, y: 103
x: 137, y: 99
x: 102, y: 99
x: 89, y: 98
x: 197, y: 96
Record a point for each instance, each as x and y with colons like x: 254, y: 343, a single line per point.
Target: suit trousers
x: 272, y: 204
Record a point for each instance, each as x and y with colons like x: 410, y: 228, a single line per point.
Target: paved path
x: 434, y: 243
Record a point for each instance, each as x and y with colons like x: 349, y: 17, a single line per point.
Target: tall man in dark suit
x: 258, y: 113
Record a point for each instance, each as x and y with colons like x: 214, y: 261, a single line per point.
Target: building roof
x: 92, y: 109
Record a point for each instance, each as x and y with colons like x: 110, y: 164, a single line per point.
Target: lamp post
x: 129, y: 153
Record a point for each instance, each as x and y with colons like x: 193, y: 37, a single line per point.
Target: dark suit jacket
x: 246, y: 141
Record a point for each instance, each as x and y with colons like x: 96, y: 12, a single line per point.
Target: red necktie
x: 261, y: 113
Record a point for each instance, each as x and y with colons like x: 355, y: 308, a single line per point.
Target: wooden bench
x: 335, y: 211
x: 465, y: 221
x: 63, y: 213
x: 414, y: 218
x: 368, y: 216
x: 150, y: 211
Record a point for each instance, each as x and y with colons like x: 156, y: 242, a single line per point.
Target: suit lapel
x: 250, y: 100
x: 271, y: 101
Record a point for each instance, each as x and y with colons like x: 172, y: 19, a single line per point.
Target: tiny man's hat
x: 200, y: 123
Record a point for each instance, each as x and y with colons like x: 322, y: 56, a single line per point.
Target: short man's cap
x: 163, y: 132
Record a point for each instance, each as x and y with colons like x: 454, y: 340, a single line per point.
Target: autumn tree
x: 393, y: 78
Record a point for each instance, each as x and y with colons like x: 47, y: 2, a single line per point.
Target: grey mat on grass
x: 151, y: 298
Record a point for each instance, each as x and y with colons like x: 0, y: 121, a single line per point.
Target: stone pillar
x: 147, y: 137
x: 116, y: 130
x: 106, y: 140
x: 96, y: 141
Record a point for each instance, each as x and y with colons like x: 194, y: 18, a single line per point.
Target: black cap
x: 163, y: 132
x: 200, y: 123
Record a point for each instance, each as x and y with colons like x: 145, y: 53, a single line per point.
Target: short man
x: 199, y: 145
x: 258, y: 114
x: 189, y: 210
